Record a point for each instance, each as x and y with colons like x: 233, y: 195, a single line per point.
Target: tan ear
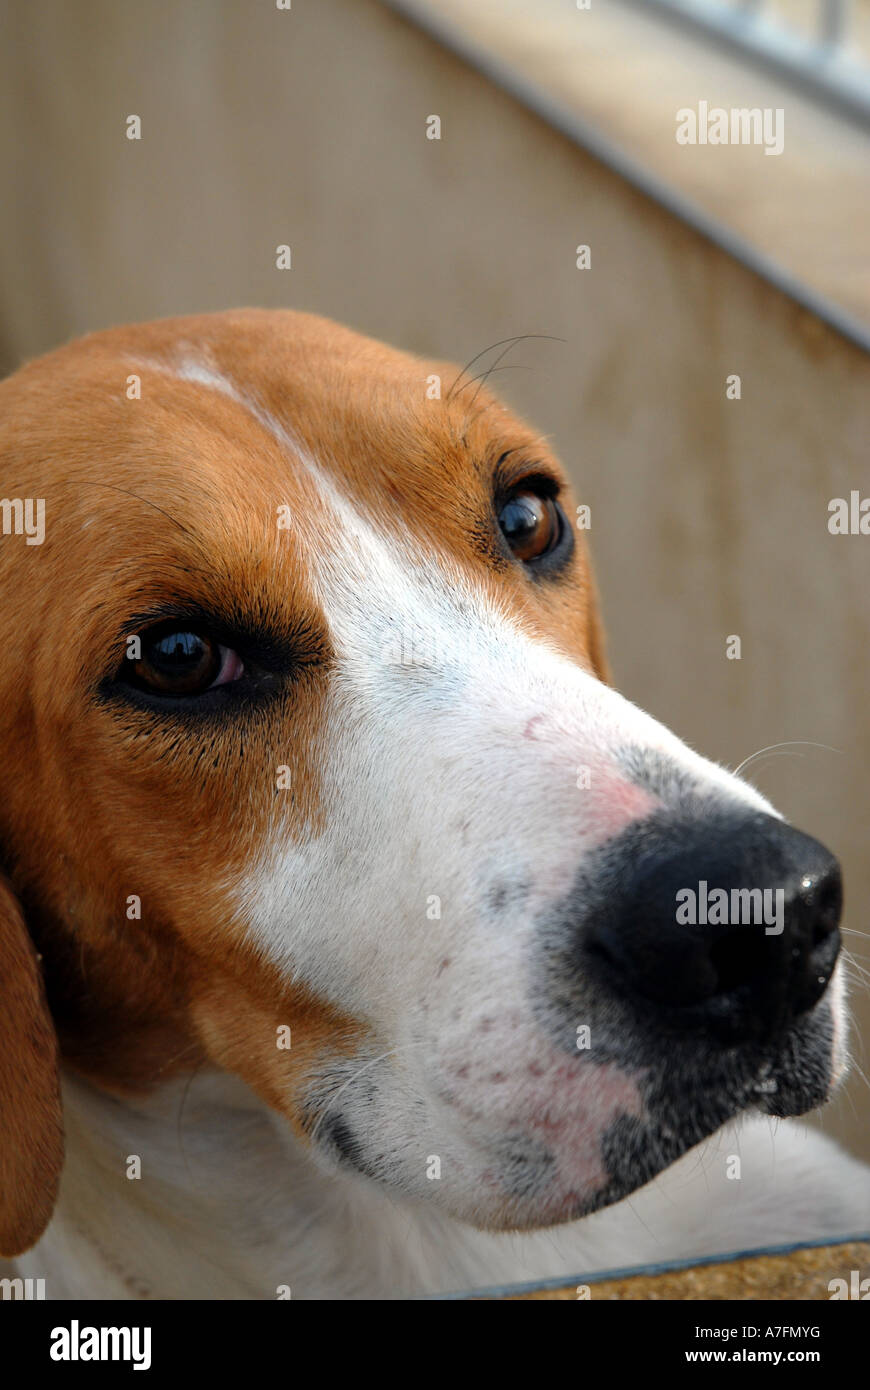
x: 31, y: 1120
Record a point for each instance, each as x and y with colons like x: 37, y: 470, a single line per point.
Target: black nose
x: 731, y: 924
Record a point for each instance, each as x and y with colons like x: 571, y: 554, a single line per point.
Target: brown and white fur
x: 380, y: 840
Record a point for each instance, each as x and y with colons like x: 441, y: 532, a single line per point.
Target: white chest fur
x: 228, y: 1205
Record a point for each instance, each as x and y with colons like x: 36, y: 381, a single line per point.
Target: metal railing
x: 824, y: 59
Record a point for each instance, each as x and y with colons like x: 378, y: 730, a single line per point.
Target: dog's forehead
x: 195, y: 415
x: 239, y: 454
x: 397, y: 436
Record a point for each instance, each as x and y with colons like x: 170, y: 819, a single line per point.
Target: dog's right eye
x: 171, y: 659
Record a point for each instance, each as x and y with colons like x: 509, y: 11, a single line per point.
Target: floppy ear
x: 31, y: 1121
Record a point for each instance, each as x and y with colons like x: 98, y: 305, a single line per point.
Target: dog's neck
x: 228, y: 1205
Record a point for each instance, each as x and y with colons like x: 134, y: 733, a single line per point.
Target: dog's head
x: 310, y: 770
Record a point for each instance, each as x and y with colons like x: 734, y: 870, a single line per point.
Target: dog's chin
x: 681, y: 1110
x: 598, y: 1133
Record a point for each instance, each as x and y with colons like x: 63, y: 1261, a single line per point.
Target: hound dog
x: 344, y: 939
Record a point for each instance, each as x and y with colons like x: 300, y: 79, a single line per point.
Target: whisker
x: 178, y: 1127
x: 862, y: 1074
x: 487, y: 374
x: 505, y: 367
x: 789, y: 743
x: 519, y: 337
x: 476, y: 358
x: 90, y: 482
x: 861, y: 975
x: 391, y: 1052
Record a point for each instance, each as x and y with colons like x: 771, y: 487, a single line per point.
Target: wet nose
x: 730, y: 925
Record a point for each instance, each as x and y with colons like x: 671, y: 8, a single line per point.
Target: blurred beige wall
x: 307, y: 127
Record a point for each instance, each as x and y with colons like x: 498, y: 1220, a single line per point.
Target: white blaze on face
x: 466, y: 770
x: 450, y: 759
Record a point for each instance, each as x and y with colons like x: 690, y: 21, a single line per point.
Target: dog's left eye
x: 170, y: 659
x: 531, y: 525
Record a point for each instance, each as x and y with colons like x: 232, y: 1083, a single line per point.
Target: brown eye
x: 176, y: 661
x: 530, y: 525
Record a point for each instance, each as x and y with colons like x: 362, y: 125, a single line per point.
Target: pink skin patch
x: 598, y: 1096
x: 617, y: 804
x: 610, y: 802
x: 509, y: 1080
